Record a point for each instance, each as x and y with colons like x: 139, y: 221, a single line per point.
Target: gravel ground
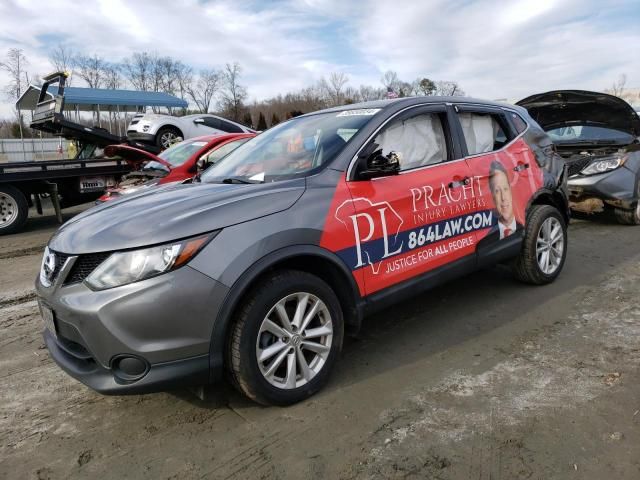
x: 482, y: 378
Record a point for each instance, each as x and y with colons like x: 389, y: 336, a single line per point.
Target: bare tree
x: 448, y: 88
x: 137, y: 69
x: 62, y: 59
x: 617, y: 89
x: 16, y: 66
x: 184, y: 75
x: 334, y: 87
x: 390, y: 81
x: 232, y: 94
x: 204, y: 89
x: 111, y: 74
x: 90, y: 69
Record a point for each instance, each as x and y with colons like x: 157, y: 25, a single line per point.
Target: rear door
x: 507, y: 174
x: 408, y: 224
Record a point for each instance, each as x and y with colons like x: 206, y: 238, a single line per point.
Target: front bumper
x: 141, y: 137
x: 163, y: 324
x: 593, y: 193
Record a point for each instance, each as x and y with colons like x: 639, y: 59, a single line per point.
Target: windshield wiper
x: 240, y: 180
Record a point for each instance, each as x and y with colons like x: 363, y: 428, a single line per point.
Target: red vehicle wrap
x: 393, y: 228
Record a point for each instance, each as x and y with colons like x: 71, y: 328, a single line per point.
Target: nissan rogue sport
x: 257, y: 268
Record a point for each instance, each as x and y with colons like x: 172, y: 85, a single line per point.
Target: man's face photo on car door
x: 502, y: 198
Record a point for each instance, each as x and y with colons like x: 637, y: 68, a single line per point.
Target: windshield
x: 176, y: 155
x: 291, y: 149
x: 588, y: 134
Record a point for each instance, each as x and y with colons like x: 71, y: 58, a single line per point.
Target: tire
x: 529, y: 265
x: 14, y: 209
x: 167, y: 136
x: 628, y: 217
x: 252, y: 335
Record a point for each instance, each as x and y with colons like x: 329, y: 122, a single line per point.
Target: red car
x: 175, y: 164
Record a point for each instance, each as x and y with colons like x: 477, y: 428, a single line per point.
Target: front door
x: 419, y: 220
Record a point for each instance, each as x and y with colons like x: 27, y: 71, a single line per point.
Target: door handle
x: 459, y: 183
x: 520, y: 167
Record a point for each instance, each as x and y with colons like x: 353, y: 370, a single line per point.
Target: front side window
x: 291, y: 149
x: 418, y: 141
x: 483, y: 132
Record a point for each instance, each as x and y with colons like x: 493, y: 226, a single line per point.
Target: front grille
x: 85, y: 264
x: 61, y: 258
x: 134, y: 122
x: 577, y: 165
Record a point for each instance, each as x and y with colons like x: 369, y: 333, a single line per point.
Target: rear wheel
x: 14, y: 209
x: 168, y: 136
x: 544, y: 248
x: 285, y: 339
x: 628, y: 217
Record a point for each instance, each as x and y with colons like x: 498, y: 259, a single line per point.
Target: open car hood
x: 562, y: 108
x: 134, y: 156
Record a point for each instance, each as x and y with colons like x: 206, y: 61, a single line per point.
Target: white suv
x: 165, y: 130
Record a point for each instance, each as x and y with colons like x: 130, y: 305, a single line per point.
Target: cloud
x: 493, y: 49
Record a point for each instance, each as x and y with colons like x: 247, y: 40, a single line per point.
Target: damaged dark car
x: 598, y: 136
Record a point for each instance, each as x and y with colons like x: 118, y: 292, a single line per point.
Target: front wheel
x: 544, y: 248
x: 286, y: 338
x: 168, y: 136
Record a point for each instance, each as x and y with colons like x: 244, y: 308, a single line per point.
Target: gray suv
x: 257, y: 268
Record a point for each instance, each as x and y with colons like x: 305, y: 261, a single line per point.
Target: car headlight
x: 601, y: 166
x: 121, y: 268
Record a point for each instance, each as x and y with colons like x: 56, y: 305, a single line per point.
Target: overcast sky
x: 493, y: 48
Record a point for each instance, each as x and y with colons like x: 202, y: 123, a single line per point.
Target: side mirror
x: 199, y: 121
x: 377, y: 165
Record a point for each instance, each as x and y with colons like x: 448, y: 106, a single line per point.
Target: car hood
x: 165, y: 214
x: 134, y: 156
x: 561, y: 108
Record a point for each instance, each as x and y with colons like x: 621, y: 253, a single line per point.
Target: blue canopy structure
x: 87, y: 99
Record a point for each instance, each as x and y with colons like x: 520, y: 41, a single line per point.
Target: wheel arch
x: 166, y: 124
x: 308, y: 258
x: 554, y: 198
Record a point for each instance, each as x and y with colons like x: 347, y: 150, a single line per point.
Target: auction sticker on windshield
x: 360, y: 111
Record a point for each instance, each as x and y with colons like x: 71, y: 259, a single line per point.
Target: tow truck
x: 68, y: 182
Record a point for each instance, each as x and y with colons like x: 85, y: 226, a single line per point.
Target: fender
x: 554, y: 194
x: 222, y: 321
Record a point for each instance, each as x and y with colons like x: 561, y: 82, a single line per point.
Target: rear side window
x: 230, y: 127
x: 223, y: 125
x: 418, y: 141
x: 484, y: 132
x: 518, y: 122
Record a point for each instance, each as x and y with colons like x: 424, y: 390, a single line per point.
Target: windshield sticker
x: 258, y: 177
x: 359, y: 112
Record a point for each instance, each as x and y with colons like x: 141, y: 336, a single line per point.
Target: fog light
x: 129, y: 368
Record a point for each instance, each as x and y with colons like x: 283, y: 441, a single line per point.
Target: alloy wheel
x: 8, y: 210
x: 294, y: 340
x: 550, y: 245
x: 167, y: 139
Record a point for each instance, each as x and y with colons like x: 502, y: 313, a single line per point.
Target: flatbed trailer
x: 67, y: 182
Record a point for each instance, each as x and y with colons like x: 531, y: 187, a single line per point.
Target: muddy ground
x: 483, y: 378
